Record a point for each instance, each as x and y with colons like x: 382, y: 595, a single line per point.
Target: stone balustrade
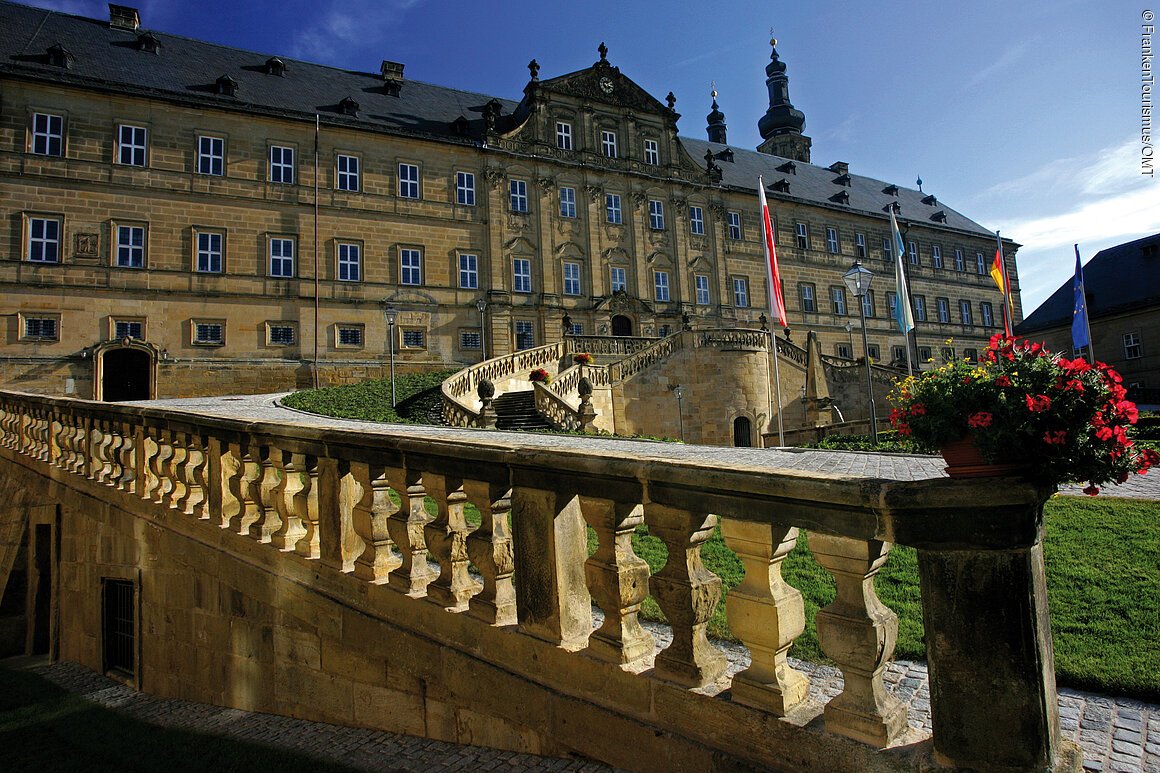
x: 460, y: 404
x: 353, y: 503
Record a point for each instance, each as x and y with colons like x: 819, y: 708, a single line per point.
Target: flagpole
x: 777, y: 383
x: 1008, y: 312
x: 315, y: 368
x: 776, y: 301
x: 1086, y: 314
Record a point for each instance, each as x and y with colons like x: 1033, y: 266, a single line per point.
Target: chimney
x: 392, y: 77
x: 123, y: 17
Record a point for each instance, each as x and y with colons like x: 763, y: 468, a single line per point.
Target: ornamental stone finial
x: 534, y: 69
x: 603, y: 51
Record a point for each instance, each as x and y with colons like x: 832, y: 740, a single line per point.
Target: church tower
x: 781, y: 126
x: 716, y: 121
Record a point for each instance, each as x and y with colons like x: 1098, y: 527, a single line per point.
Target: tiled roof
x: 1120, y: 278
x: 108, y: 58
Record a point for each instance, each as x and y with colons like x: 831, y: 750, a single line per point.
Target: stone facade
x: 184, y: 216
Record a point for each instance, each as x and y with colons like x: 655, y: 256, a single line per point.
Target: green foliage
x: 888, y: 442
x: 369, y: 400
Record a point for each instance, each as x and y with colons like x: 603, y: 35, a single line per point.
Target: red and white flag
x: 776, y: 299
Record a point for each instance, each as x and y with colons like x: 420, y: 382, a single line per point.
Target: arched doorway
x: 126, y: 374
x: 742, y: 432
x: 621, y: 325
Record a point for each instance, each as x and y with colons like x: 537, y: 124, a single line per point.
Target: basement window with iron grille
x: 118, y: 623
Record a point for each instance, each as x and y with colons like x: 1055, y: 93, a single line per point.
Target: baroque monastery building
x: 184, y: 218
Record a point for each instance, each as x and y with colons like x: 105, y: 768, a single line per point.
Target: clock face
x: 606, y: 85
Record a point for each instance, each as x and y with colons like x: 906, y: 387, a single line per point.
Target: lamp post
x: 858, y: 280
x: 481, y: 304
x: 391, y: 314
x: 679, y: 391
x: 850, y: 332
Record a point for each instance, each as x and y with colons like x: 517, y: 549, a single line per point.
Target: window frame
x: 808, y: 297
x: 567, y: 196
x: 48, y: 135
x: 986, y: 314
x: 912, y: 253
x: 868, y: 304
x: 30, y: 239
x: 860, y: 246
x: 833, y: 245
x: 195, y: 325
x: 290, y: 325
x: 469, y: 273
x: 464, y: 339
x: 135, y: 148
x: 919, y: 308
x: 980, y: 264
x: 1133, y: 345
x: 966, y: 318
x: 518, y: 195
x: 27, y: 317
x: 411, y: 266
x: 661, y: 286
x: 838, y: 301
x: 522, y: 276
x: 349, y: 180
x: 209, y: 253
x: 613, y: 211
x: 114, y: 322
x: 465, y: 189
x: 943, y: 310
x: 564, y: 135
x: 741, y: 298
x: 409, y: 187
x: 733, y: 225
x: 140, y: 251
x: 609, y: 143
x: 282, y: 170
x: 960, y: 262
x: 802, y: 235
x: 211, y: 157
x: 936, y: 260
x: 343, y: 263
x: 656, y: 215
x: 701, y: 289
x: 571, y: 277
x: 411, y: 330
x: 652, y: 152
x: 282, y: 259
x: 696, y: 220
x: 354, y: 327
x: 520, y: 328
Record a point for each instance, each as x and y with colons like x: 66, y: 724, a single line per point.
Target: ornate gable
x: 605, y: 84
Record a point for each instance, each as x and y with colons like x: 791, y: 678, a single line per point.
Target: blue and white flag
x: 1080, y: 332
x: 903, y: 312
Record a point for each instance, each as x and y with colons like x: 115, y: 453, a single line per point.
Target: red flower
x: 966, y: 380
x: 1104, y: 433
x: 979, y: 420
x: 1092, y: 490
x: 1038, y: 403
x: 918, y: 409
x: 1003, y: 381
x: 1126, y: 409
x: 1055, y: 437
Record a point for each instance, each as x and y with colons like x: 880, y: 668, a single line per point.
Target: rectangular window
x: 349, y: 174
x: 832, y: 241
x: 740, y: 292
x: 571, y: 279
x: 1132, y: 348
x: 209, y: 333
x: 118, y: 626
x: 211, y: 156
x: 944, y: 310
x: 349, y: 262
x: 209, y: 252
x: 348, y: 336
x: 47, y: 134
x: 563, y: 135
x: 733, y: 221
x: 608, y: 143
x: 892, y: 304
x: 661, y: 286
x: 131, y: 246
x: 281, y: 164
x: 567, y: 202
x: 888, y: 249
x: 281, y: 257
x: 470, y: 339
x: 701, y: 284
x: 414, y: 338
x: 465, y: 189
x: 838, y: 296
x: 912, y: 253
x: 971, y: 355
x: 280, y: 334
x: 696, y: 221
x: 844, y: 351
x: 860, y: 245
x: 875, y: 352
x: 656, y: 214
x: 612, y: 208
x: 898, y: 353
x: 521, y: 275
x: 408, y: 181
x: 980, y: 264
x: 617, y: 279
x: 987, y: 314
x: 519, y: 195
x: 128, y: 328
x: 40, y: 328
x: 468, y: 271
x: 652, y: 155
x: 925, y: 354
x: 919, y: 308
x: 43, y: 240
x: 808, y: 298
x: 948, y: 353
x: 131, y: 145
x: 960, y: 263
x: 577, y: 329
x: 868, y: 303
x: 936, y: 256
x: 965, y: 312
x: 410, y: 267
x: 802, y: 231
x: 525, y: 334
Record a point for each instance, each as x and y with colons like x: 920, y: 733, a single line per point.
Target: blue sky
x: 1023, y: 116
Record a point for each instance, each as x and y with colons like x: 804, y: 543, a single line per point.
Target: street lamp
x: 481, y: 304
x: 391, y: 314
x: 850, y: 332
x: 858, y: 280
x: 679, y: 391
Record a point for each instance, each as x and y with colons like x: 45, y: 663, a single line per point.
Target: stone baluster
x: 490, y: 549
x: 289, y: 503
x: 54, y: 446
x: 148, y: 451
x: 127, y: 480
x: 687, y: 593
x: 369, y: 521
x: 104, y: 449
x: 767, y: 615
x: 304, y: 504
x: 269, y: 487
x: 242, y: 484
x: 193, y: 474
x: 618, y: 578
x: 551, y: 546
x: 858, y: 632
x: 447, y: 540
x: 406, y: 529
x: 176, y: 469
x: 81, y: 446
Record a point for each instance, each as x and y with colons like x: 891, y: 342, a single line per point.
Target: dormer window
x: 392, y: 77
x: 842, y: 179
x: 939, y: 217
x: 275, y: 66
x: 840, y: 167
x: 459, y: 127
x: 348, y: 106
x: 123, y: 17
x: 59, y: 56
x: 149, y: 43
x: 781, y: 186
x: 890, y: 190
x: 841, y: 197
x: 226, y: 86
x: 930, y: 200
x: 788, y: 167
x: 726, y: 155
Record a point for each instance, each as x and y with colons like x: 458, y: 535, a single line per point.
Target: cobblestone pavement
x: 1116, y: 734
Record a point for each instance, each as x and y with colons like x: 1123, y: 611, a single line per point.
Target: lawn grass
x: 43, y: 727
x: 367, y: 400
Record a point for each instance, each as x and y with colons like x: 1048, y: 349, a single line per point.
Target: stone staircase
x: 517, y: 410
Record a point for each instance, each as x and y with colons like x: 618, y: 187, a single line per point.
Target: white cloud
x: 1006, y: 60
x: 345, y: 25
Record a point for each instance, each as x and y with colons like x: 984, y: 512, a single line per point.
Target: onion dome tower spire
x: 716, y: 121
x: 781, y: 126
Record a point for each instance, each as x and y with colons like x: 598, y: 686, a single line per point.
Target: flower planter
x: 964, y: 460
